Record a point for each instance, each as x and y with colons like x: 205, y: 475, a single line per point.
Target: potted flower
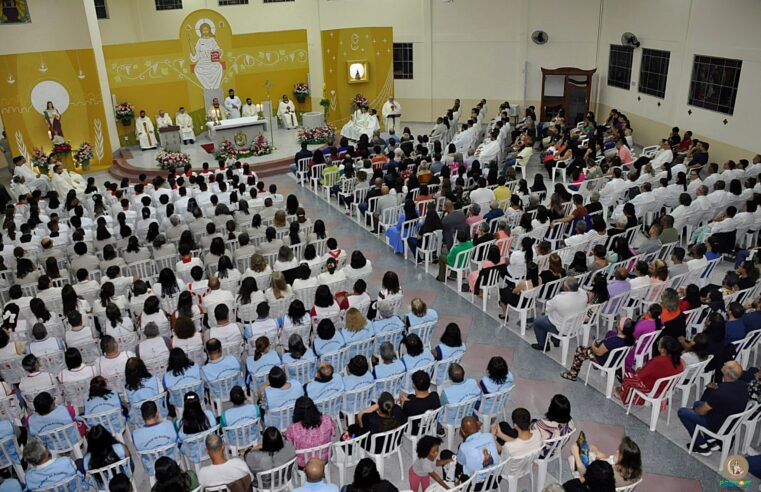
x: 125, y: 113
x: 301, y: 91
x: 83, y: 155
x: 39, y: 161
x: 359, y: 101
x: 172, y: 159
x: 320, y: 135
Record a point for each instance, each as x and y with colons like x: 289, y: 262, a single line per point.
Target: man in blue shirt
x: 44, y: 470
x: 48, y: 417
x: 219, y: 366
x: 326, y: 384
x: 154, y: 434
x: 735, y: 328
x: 315, y: 472
x: 477, y: 451
x: 752, y: 320
x: 459, y: 391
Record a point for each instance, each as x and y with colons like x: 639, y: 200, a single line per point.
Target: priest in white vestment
x: 391, y: 107
x: 185, y: 122
x: 357, y: 125
x: 232, y: 105
x: 249, y: 109
x: 35, y: 181
x: 439, y: 130
x: 63, y: 181
x: 215, y: 112
x: 489, y: 150
x: 144, y: 131
x: 163, y: 120
x: 286, y: 111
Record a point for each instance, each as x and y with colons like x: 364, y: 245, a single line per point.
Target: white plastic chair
x: 690, y: 378
x: 391, y: 385
x: 660, y: 393
x: 64, y: 439
x: 331, y: 406
x: 280, y: 418
x: 219, y: 391
x: 194, y: 447
x: 383, y: 445
x: 430, y: 246
x: 517, y: 468
x: 614, y: 362
x: 149, y: 457
x: 424, y: 331
x: 318, y: 452
x: 552, y: 450
x: 6, y: 460
x: 426, y: 426
x: 112, y: 420
x: 728, y: 431
x: 460, y: 268
x: 526, y: 304
x: 451, y: 416
x: 569, y: 328
x: 629, y: 488
x: 277, y: 479
x: 102, y: 476
x: 493, y: 404
x: 70, y: 484
x: 643, y: 348
x: 347, y: 454
x: 242, y: 437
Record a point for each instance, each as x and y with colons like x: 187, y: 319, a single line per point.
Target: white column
x: 100, y: 64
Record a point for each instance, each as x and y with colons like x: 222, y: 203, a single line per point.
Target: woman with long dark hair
x: 141, y: 385
x: 103, y: 449
x: 274, y: 452
x: 194, y: 420
x: 667, y: 363
x: 171, y: 478
x: 180, y: 371
x: 309, y: 429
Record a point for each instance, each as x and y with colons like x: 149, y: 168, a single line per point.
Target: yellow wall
x: 371, y: 44
x: 157, y: 74
x: 83, y: 120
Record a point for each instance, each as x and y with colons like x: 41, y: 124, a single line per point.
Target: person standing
x: 232, y: 105
x: 144, y: 131
x: 185, y: 122
x: 390, y: 112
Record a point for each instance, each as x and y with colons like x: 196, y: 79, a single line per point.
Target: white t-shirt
x: 109, y: 367
x: 151, y: 348
x: 82, y: 336
x: 80, y: 373
x: 228, y: 472
x: 518, y: 447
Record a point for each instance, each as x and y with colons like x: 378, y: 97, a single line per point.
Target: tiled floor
x: 665, y: 459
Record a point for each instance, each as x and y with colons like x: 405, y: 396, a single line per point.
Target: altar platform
x: 130, y: 162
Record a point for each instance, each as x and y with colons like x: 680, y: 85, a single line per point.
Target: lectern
x: 170, y: 138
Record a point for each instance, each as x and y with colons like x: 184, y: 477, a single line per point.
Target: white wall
x: 56, y: 25
x: 686, y: 28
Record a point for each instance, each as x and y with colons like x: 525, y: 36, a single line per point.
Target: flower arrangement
x: 319, y: 135
x: 172, y: 159
x: 301, y: 91
x: 125, y: 113
x: 62, y: 148
x: 359, y: 101
x: 83, y: 155
x: 228, y: 151
x: 39, y: 161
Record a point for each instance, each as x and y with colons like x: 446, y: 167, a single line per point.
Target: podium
x: 394, y: 118
x: 169, y: 137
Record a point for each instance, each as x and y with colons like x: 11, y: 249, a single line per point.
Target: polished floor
x: 667, y: 465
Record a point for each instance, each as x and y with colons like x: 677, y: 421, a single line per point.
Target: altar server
x: 32, y: 179
x: 185, y: 122
x: 232, y: 105
x: 391, y: 107
x: 286, y: 111
x: 144, y: 132
x: 249, y: 110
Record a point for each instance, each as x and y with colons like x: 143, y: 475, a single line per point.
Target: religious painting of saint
x: 206, y: 55
x: 14, y: 12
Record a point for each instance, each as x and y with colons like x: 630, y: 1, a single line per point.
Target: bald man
x: 477, y: 451
x: 315, y: 472
x: 233, y: 473
x: 719, y: 402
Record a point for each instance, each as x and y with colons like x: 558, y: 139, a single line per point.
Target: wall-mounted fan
x: 540, y: 37
x: 629, y: 39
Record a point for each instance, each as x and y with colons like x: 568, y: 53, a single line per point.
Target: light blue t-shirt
x: 456, y: 393
x: 430, y: 316
x: 192, y: 375
x: 104, y: 404
x: 60, y: 470
x: 317, y: 390
x: 322, y: 347
x: 59, y: 417
x: 471, y: 455
x: 288, y: 362
x: 416, y: 362
x: 383, y: 371
x: 262, y: 366
x: 354, y: 383
x: 6, y: 431
x: 221, y: 368
x: 245, y: 413
x: 153, y: 437
x: 149, y: 388
x: 10, y: 485
x: 387, y: 325
x: 320, y: 486
x: 282, y: 397
x: 490, y: 386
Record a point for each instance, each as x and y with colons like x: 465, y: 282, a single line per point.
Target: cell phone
x: 583, y: 445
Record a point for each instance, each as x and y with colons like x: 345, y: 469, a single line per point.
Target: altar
x: 233, y: 130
